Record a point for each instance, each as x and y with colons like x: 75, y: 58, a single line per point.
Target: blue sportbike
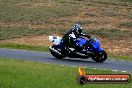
x: 85, y: 49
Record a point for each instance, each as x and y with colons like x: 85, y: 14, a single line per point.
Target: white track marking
x: 94, y: 68
x: 62, y: 65
x: 115, y: 70
x: 74, y: 66
x: 84, y: 67
x: 99, y: 69
x: 104, y: 69
x: 123, y: 71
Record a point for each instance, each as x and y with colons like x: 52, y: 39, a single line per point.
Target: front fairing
x: 81, y: 41
x: 96, y: 45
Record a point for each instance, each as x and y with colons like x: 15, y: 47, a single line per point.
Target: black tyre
x: 99, y: 57
x: 56, y: 54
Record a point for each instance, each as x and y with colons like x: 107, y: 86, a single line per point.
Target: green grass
x: 25, y: 12
x: 7, y: 33
x: 111, y: 14
x: 120, y: 57
x: 110, y: 33
x: 12, y: 10
x: 17, y: 32
x: 126, y: 24
x: 26, y: 74
x: 130, y: 1
x: 24, y: 47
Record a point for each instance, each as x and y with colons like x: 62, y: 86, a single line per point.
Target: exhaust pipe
x: 54, y: 50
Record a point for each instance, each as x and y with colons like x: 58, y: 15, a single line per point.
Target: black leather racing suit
x: 70, y: 37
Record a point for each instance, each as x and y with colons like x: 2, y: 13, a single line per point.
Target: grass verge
x: 126, y: 24
x: 26, y: 74
x: 24, y: 47
x: 127, y: 58
x: 18, y: 32
x: 45, y: 48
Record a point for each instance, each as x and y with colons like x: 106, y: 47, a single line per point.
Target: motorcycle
x: 85, y: 49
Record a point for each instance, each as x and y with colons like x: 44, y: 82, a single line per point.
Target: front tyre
x: 54, y: 52
x: 99, y: 57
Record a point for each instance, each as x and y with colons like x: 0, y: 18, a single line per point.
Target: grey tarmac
x: 110, y: 64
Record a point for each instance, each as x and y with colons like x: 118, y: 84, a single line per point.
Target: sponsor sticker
x: 83, y: 78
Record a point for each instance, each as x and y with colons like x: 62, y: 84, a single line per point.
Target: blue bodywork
x: 82, y: 41
x: 95, y: 43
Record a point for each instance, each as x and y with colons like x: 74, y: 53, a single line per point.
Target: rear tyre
x: 56, y: 54
x: 99, y: 57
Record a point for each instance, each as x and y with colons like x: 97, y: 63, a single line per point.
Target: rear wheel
x: 99, y: 57
x: 55, y: 54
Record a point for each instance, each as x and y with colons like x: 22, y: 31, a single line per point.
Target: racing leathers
x: 70, y: 37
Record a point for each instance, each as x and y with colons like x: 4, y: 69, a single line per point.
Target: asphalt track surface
x: 114, y: 65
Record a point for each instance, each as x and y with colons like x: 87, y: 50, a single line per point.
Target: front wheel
x: 99, y: 57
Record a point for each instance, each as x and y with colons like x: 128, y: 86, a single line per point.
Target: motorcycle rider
x: 70, y: 37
